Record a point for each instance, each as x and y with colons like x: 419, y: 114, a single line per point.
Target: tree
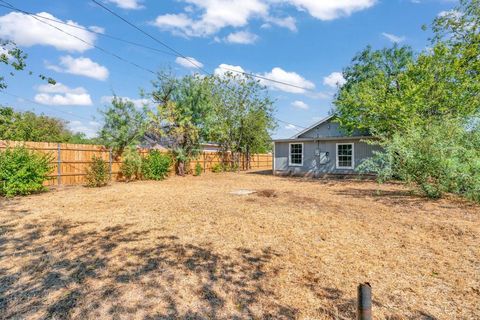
x: 243, y: 116
x: 13, y: 57
x: 391, y: 90
x: 372, y: 97
x: 184, y: 114
x: 28, y: 126
x: 124, y: 125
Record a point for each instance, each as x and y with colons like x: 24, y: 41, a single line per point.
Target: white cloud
x: 300, y: 105
x: 203, y: 18
x: 334, y: 80
x: 90, y: 128
x: 61, y: 95
x: 393, y: 38
x: 189, y: 62
x: 241, y: 37
x: 210, y: 16
x: 224, y: 68
x: 139, y: 103
x: 127, y: 4
x: 80, y: 66
x: 289, y: 22
x: 24, y: 30
x: 292, y: 127
x: 291, y: 82
x: 300, y: 84
x: 330, y: 10
x: 97, y: 29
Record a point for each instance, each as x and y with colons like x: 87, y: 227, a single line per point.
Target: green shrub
x: 98, y: 174
x: 438, y: 158
x: 131, y: 167
x: 156, y: 165
x: 217, y: 168
x: 23, y: 171
x: 198, y: 169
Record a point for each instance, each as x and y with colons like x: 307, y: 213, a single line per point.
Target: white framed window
x: 345, y: 156
x: 295, y: 152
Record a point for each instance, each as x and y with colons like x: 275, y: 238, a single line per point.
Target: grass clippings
x: 185, y: 248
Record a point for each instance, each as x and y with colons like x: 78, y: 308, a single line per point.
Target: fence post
x: 364, y: 301
x: 110, y: 162
x: 59, y: 164
x: 204, y: 162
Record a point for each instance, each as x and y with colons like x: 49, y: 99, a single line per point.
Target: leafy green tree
x: 243, y: 116
x: 124, y: 125
x: 28, y: 126
x: 391, y: 89
x: 372, y: 97
x: 184, y: 115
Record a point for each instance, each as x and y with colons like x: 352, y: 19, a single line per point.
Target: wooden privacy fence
x: 71, y: 161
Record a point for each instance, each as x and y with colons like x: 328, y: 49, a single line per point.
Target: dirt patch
x: 267, y: 193
x: 185, y: 248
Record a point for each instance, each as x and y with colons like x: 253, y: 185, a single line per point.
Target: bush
x: 23, y: 171
x: 437, y: 158
x: 98, y: 174
x: 156, y: 165
x: 131, y: 167
x: 217, y: 168
x: 198, y: 169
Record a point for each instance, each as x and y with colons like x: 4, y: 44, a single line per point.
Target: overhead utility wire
x: 84, y: 41
x: 46, y: 106
x: 183, y: 56
x: 102, y: 34
x: 176, y: 53
x: 187, y: 58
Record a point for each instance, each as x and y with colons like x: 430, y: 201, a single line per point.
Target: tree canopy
x: 28, y: 126
x: 123, y: 125
x: 391, y: 89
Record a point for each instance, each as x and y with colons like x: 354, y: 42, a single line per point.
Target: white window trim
x: 353, y: 155
x: 290, y: 155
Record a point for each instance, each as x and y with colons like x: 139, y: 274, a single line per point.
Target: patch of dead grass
x: 185, y: 248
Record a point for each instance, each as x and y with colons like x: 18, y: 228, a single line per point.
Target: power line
x: 189, y: 59
x: 175, y: 52
x: 150, y: 36
x: 194, y: 64
x: 46, y: 106
x: 82, y: 40
x: 102, y: 34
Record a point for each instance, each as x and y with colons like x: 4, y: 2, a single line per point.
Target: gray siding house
x: 321, y: 149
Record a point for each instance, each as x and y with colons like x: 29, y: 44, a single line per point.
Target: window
x: 296, y: 154
x: 345, y: 158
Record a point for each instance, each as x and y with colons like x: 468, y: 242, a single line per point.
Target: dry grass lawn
x: 186, y: 248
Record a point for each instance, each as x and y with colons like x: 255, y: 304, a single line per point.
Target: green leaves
x: 124, y: 125
x: 392, y: 89
x: 23, y: 172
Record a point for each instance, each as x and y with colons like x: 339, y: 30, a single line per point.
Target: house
x: 321, y: 149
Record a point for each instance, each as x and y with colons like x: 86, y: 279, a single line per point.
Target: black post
x: 364, y: 304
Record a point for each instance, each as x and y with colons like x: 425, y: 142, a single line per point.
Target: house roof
x: 312, y: 126
x: 339, y: 138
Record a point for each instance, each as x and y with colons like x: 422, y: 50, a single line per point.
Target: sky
x: 305, y: 43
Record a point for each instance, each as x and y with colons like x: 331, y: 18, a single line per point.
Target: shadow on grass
x: 58, y: 271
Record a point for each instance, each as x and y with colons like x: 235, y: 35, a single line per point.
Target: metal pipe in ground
x: 364, y: 301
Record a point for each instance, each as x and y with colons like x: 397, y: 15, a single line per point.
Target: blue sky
x: 303, y: 42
